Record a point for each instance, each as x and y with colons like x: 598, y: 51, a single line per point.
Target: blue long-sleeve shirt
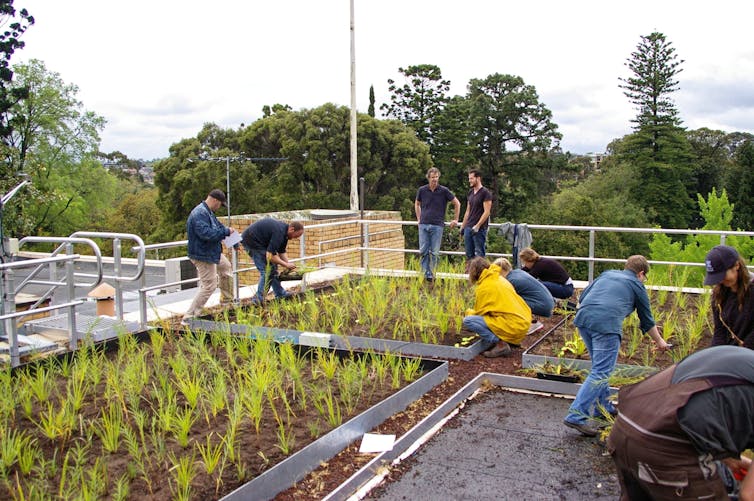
x: 611, y: 298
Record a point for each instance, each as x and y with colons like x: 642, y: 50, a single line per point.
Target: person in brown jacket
x: 677, y: 431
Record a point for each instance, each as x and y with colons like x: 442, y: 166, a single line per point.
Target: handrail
x: 141, y: 253
x: 26, y: 313
x: 591, y: 258
x: 117, y: 277
x: 68, y: 242
x: 26, y: 263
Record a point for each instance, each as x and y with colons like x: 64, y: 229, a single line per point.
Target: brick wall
x: 345, y: 237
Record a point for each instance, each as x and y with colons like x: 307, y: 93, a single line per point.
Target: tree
x: 316, y: 172
x: 658, y: 148
x: 741, y: 186
x: 10, y: 42
x: 510, y: 130
x: 712, y: 158
x: 418, y: 101
x: 370, y: 111
x: 654, y: 65
x: 718, y: 214
x: 453, y: 149
x: 602, y: 199
x: 54, y: 140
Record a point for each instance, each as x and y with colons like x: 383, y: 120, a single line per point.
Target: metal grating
x: 94, y: 327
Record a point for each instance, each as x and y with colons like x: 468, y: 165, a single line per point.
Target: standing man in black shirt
x: 477, y: 217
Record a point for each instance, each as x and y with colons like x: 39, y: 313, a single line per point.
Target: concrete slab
x: 506, y: 445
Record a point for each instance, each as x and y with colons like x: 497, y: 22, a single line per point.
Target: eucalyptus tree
x: 315, y: 172
x: 54, y: 140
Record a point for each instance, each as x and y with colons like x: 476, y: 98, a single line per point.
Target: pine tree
x: 658, y: 149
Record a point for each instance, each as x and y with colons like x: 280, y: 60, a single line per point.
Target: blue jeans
x: 430, y: 238
x: 476, y: 324
x: 603, y: 349
x: 268, y: 276
x: 559, y: 291
x: 474, y: 243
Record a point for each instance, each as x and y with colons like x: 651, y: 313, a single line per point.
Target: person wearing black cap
x: 205, y: 234
x: 732, y: 297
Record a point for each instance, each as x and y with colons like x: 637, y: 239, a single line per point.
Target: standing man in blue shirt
x: 430, y: 206
x: 266, y: 242
x: 603, y: 305
x: 205, y: 236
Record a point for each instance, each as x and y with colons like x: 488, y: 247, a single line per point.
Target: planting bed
x: 189, y: 417
x: 408, y: 310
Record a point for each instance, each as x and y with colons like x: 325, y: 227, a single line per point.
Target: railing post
x: 71, y: 282
x: 142, y: 309
x: 9, y: 325
x: 365, y: 245
x: 234, y: 273
x: 118, y: 285
x: 302, y: 252
x: 590, y: 276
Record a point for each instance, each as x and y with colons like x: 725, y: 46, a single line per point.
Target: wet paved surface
x: 510, y: 446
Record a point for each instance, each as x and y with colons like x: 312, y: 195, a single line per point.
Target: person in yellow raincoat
x: 500, y: 316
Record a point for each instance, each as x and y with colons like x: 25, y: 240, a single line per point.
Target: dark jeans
x: 268, y: 275
x: 559, y: 291
x: 474, y: 243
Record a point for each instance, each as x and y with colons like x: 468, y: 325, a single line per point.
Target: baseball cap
x: 718, y: 260
x: 218, y: 195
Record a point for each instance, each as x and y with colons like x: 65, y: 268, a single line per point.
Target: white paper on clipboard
x: 232, y: 239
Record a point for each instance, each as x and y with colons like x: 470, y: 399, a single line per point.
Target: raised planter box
x: 343, y: 342
x: 486, y: 437
x: 285, y: 474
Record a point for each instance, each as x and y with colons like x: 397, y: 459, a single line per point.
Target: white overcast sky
x: 158, y: 70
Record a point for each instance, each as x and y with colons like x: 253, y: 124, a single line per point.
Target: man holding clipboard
x: 205, y: 237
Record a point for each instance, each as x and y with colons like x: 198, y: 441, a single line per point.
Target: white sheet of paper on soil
x: 374, y: 442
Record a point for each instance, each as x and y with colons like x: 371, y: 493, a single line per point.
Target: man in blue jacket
x: 603, y: 305
x: 205, y: 236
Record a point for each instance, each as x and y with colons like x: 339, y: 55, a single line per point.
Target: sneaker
x: 536, y: 326
x: 500, y: 350
x: 585, y: 429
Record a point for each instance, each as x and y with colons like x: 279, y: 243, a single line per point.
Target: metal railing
x: 9, y: 290
x: 363, y: 247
